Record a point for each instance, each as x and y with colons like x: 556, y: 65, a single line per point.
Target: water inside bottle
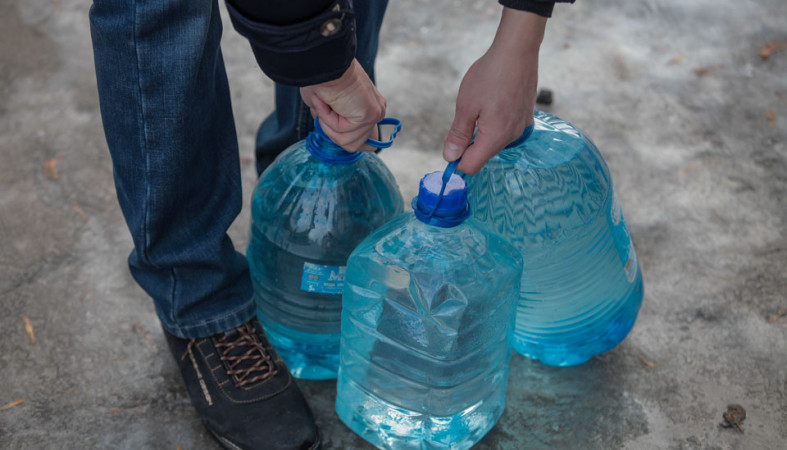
x: 308, y: 214
x: 426, y: 332
x: 552, y: 197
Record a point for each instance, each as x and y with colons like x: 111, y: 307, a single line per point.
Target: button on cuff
x: 331, y: 27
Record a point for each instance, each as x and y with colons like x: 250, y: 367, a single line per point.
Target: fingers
x: 352, y: 141
x: 496, y: 127
x: 352, y: 133
x: 486, y: 145
x: 349, y: 136
x: 348, y: 108
x: 460, y: 135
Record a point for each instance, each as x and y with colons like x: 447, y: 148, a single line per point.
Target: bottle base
x: 309, y: 356
x: 564, y: 355
x: 385, y: 425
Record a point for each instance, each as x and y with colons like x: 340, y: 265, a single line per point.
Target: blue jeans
x: 165, y: 106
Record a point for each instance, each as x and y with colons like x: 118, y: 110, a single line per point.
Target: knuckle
x: 379, y: 111
x: 466, y: 108
x: 458, y: 135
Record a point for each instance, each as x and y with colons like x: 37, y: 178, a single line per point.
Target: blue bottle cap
x: 443, y: 207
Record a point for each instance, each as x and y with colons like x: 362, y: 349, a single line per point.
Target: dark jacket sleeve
x: 297, y: 42
x: 540, y: 7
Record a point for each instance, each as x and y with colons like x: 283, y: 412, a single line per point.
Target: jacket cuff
x: 542, y: 8
x: 310, y: 52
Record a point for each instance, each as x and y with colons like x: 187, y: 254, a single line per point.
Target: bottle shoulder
x: 413, y: 245
x: 301, y: 201
x: 299, y: 178
x: 554, y: 143
x: 549, y: 187
x: 297, y: 167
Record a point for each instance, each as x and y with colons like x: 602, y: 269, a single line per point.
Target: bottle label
x: 622, y: 237
x: 322, y: 279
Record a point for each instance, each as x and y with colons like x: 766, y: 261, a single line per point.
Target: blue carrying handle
x: 397, y: 124
x: 323, y: 148
x: 385, y: 144
x: 450, y: 169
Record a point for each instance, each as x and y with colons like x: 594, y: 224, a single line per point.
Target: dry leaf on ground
x: 29, y: 329
x: 734, y: 417
x: 81, y: 212
x: 771, y: 117
x: 50, y: 169
x: 12, y: 404
x: 676, y: 60
x: 706, y: 70
x: 770, y: 48
x: 648, y: 363
x: 780, y: 317
x: 143, y: 334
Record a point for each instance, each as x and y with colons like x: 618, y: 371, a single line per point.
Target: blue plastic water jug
x: 310, y: 209
x: 551, y: 195
x: 427, y: 316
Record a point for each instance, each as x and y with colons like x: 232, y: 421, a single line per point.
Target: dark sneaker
x: 244, y: 392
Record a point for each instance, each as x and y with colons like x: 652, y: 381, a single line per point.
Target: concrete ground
x: 691, y: 119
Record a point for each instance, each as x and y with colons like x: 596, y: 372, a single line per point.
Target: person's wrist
x: 345, y: 80
x: 541, y: 7
x: 520, y: 32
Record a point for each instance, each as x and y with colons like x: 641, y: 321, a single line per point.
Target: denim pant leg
x: 292, y: 121
x: 165, y: 106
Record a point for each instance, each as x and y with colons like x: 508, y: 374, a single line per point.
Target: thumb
x: 459, y: 136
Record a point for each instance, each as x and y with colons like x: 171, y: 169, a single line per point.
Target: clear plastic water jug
x: 551, y: 195
x: 310, y: 209
x: 427, y: 317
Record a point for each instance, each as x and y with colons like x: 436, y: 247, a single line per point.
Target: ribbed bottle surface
x: 552, y: 197
x: 426, y: 334
x: 307, y: 217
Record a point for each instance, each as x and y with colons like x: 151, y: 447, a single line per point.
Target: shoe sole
x: 226, y: 443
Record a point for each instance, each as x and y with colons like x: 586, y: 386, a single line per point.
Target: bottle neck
x: 442, y: 199
x: 439, y: 217
x: 327, y: 151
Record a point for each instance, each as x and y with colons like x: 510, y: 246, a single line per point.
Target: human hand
x: 349, y: 108
x: 498, y: 93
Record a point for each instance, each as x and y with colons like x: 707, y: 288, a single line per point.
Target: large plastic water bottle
x: 427, y: 316
x: 551, y: 195
x: 310, y: 209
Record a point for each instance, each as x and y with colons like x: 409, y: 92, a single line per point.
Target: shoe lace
x: 245, y: 367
